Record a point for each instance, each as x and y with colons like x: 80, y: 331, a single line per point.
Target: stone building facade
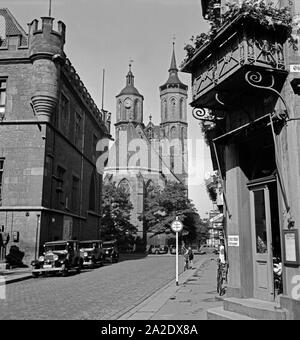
x: 146, y: 155
x: 49, y: 129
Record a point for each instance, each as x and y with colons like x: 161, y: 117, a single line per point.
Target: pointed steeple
x: 173, y: 73
x: 173, y: 66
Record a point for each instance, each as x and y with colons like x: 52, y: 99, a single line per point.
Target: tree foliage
x: 213, y: 186
x: 162, y: 205
x: 116, y: 211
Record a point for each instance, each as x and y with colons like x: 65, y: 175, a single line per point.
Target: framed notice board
x: 291, y: 247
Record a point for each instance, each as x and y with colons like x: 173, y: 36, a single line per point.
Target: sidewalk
x: 195, y: 294
x: 14, y: 275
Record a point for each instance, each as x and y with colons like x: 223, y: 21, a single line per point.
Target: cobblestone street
x: 103, y: 293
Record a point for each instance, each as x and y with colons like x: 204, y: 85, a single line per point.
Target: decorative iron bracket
x: 205, y: 115
x: 255, y: 79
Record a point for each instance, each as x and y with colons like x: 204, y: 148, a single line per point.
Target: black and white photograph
x: 149, y: 163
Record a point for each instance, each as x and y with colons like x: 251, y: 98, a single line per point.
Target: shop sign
x: 291, y: 247
x: 233, y: 241
x: 295, y: 68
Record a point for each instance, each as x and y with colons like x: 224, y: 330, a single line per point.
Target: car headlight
x: 41, y: 259
x: 55, y: 258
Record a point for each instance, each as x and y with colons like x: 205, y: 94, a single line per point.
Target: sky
x: 107, y: 34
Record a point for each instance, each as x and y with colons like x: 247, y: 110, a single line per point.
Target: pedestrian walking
x: 185, y: 253
x: 191, y: 257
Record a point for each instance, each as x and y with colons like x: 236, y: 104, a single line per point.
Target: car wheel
x: 65, y: 270
x: 156, y: 252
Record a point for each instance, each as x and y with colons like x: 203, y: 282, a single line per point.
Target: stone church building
x: 144, y: 155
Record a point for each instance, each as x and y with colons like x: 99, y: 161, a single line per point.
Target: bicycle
x: 221, y: 277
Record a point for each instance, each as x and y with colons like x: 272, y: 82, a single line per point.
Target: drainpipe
x: 37, y: 236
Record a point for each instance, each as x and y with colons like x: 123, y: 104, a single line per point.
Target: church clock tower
x: 129, y: 105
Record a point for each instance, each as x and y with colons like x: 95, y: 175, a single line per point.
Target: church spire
x: 173, y: 66
x: 173, y: 73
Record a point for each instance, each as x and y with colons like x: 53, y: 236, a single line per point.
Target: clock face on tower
x: 128, y: 103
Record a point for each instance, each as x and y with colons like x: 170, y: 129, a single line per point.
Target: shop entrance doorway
x: 265, y: 235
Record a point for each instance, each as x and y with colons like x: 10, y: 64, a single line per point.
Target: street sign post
x: 177, y: 227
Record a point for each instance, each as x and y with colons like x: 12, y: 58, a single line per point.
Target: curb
x: 9, y: 280
x: 153, y: 303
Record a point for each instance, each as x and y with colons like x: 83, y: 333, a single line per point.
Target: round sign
x: 177, y: 226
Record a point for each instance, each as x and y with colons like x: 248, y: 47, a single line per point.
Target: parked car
x: 59, y: 257
x: 92, y: 253
x: 110, y: 250
x: 158, y: 249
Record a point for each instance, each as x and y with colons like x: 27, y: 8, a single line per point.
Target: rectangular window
x: 2, y: 97
x: 1, y: 178
x: 94, y: 145
x: 64, y: 113
x: 60, y: 186
x: 77, y: 134
x: 75, y: 193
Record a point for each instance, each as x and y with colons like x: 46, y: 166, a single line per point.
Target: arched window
x: 181, y: 109
x: 136, y: 109
x: 173, y: 106
x: 165, y: 110
x: 120, y: 110
x: 173, y: 132
x: 92, y: 198
x: 124, y: 185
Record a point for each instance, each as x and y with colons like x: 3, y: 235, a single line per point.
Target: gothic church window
x: 173, y: 106
x: 173, y: 132
x: 181, y: 108
x: 136, y: 110
x: 120, y: 110
x: 165, y: 110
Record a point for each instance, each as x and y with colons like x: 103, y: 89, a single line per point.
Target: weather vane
x: 130, y: 63
x: 174, y: 39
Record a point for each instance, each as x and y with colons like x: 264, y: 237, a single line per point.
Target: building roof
x: 12, y: 27
x: 129, y: 89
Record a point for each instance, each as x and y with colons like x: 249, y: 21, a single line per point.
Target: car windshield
x: 55, y: 247
x: 108, y: 245
x: 87, y: 245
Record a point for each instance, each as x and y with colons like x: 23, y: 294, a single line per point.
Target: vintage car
x: 59, y: 257
x: 158, y: 249
x: 92, y: 253
x: 111, y: 252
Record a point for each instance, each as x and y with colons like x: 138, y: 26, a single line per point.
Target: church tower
x: 129, y: 105
x: 173, y: 127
